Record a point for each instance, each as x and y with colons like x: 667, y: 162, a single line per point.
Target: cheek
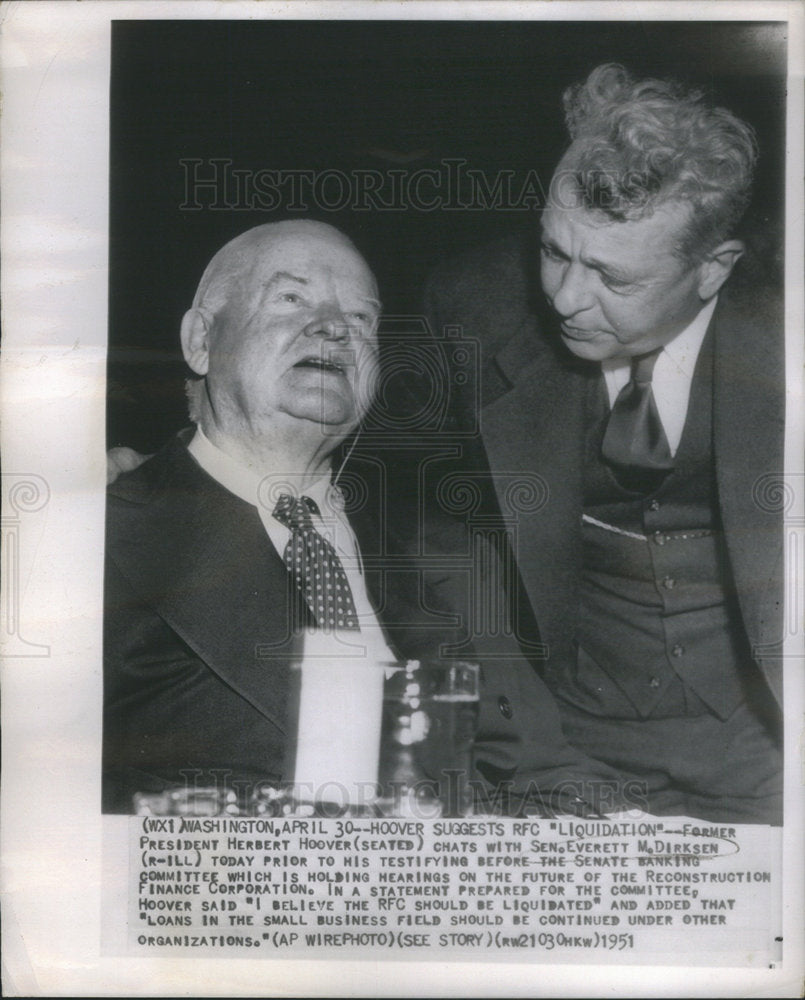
x: 626, y: 315
x: 549, y: 277
x: 366, y: 354
x: 248, y: 373
x: 258, y: 353
x: 367, y: 376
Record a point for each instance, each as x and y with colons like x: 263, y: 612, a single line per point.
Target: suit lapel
x: 202, y: 558
x: 748, y: 427
x: 415, y: 620
x: 534, y: 435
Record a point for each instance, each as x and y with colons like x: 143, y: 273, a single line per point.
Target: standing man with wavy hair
x: 652, y: 405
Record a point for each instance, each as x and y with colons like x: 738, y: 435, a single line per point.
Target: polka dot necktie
x: 315, y: 567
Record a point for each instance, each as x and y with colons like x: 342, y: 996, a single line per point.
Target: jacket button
x: 659, y: 538
x: 505, y: 707
x: 654, y: 682
x: 654, y: 505
x: 678, y: 650
x: 669, y: 583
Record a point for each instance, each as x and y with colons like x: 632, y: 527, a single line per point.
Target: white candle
x: 340, y: 710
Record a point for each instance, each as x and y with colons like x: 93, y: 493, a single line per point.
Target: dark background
x: 354, y: 95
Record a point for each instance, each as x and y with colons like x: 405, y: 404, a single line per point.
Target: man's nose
x: 574, y: 293
x: 329, y: 322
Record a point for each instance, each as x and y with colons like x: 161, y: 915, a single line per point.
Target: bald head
x: 283, y: 329
x: 235, y: 264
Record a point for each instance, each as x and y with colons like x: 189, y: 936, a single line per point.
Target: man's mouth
x: 321, y: 365
x: 577, y: 332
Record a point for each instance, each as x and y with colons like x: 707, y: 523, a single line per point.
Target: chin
x: 336, y: 416
x: 591, y: 350
x: 332, y: 409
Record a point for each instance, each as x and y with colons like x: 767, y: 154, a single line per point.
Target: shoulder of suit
x: 142, y: 483
x: 160, y: 516
x: 750, y: 330
x: 495, y: 270
x: 744, y: 303
x: 491, y: 292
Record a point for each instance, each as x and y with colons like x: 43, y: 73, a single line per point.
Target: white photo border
x: 55, y: 132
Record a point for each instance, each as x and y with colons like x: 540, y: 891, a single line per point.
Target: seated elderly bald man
x: 206, y: 605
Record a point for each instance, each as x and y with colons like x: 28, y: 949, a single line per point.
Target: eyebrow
x: 279, y: 276
x: 597, y: 265
x: 372, y: 302
x: 610, y: 271
x: 546, y: 241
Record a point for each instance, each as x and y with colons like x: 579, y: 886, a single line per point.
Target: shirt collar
x: 248, y: 484
x: 684, y: 349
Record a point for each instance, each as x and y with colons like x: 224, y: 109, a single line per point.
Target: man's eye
x: 364, y: 322
x: 616, y: 284
x: 292, y: 298
x: 549, y: 253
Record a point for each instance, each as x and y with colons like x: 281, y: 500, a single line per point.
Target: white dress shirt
x: 262, y: 492
x: 673, y: 374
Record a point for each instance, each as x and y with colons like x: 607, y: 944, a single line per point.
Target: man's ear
x: 717, y: 267
x: 196, y: 329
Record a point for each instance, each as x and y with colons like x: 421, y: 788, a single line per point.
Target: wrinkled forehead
x: 657, y: 234
x: 324, y: 261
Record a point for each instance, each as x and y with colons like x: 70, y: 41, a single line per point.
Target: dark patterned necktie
x: 634, y: 438
x: 315, y: 567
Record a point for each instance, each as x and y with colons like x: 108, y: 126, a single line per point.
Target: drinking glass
x: 430, y: 714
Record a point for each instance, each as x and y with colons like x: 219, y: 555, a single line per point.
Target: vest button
x: 669, y: 583
x: 659, y: 538
x: 654, y: 505
x: 505, y: 707
x: 654, y: 682
x: 678, y: 650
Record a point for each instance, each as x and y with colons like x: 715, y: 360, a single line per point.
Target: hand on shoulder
x: 120, y: 460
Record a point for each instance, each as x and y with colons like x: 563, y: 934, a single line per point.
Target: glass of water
x: 430, y: 715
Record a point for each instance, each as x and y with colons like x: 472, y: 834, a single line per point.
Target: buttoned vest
x: 659, y: 633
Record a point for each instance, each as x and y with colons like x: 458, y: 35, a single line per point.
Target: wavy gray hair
x: 637, y: 144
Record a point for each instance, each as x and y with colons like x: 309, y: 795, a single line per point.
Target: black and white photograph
x: 403, y: 498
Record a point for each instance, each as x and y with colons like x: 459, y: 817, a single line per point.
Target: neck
x: 304, y: 454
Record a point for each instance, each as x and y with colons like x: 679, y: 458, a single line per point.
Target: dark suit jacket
x: 531, y: 422
x: 200, y: 630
